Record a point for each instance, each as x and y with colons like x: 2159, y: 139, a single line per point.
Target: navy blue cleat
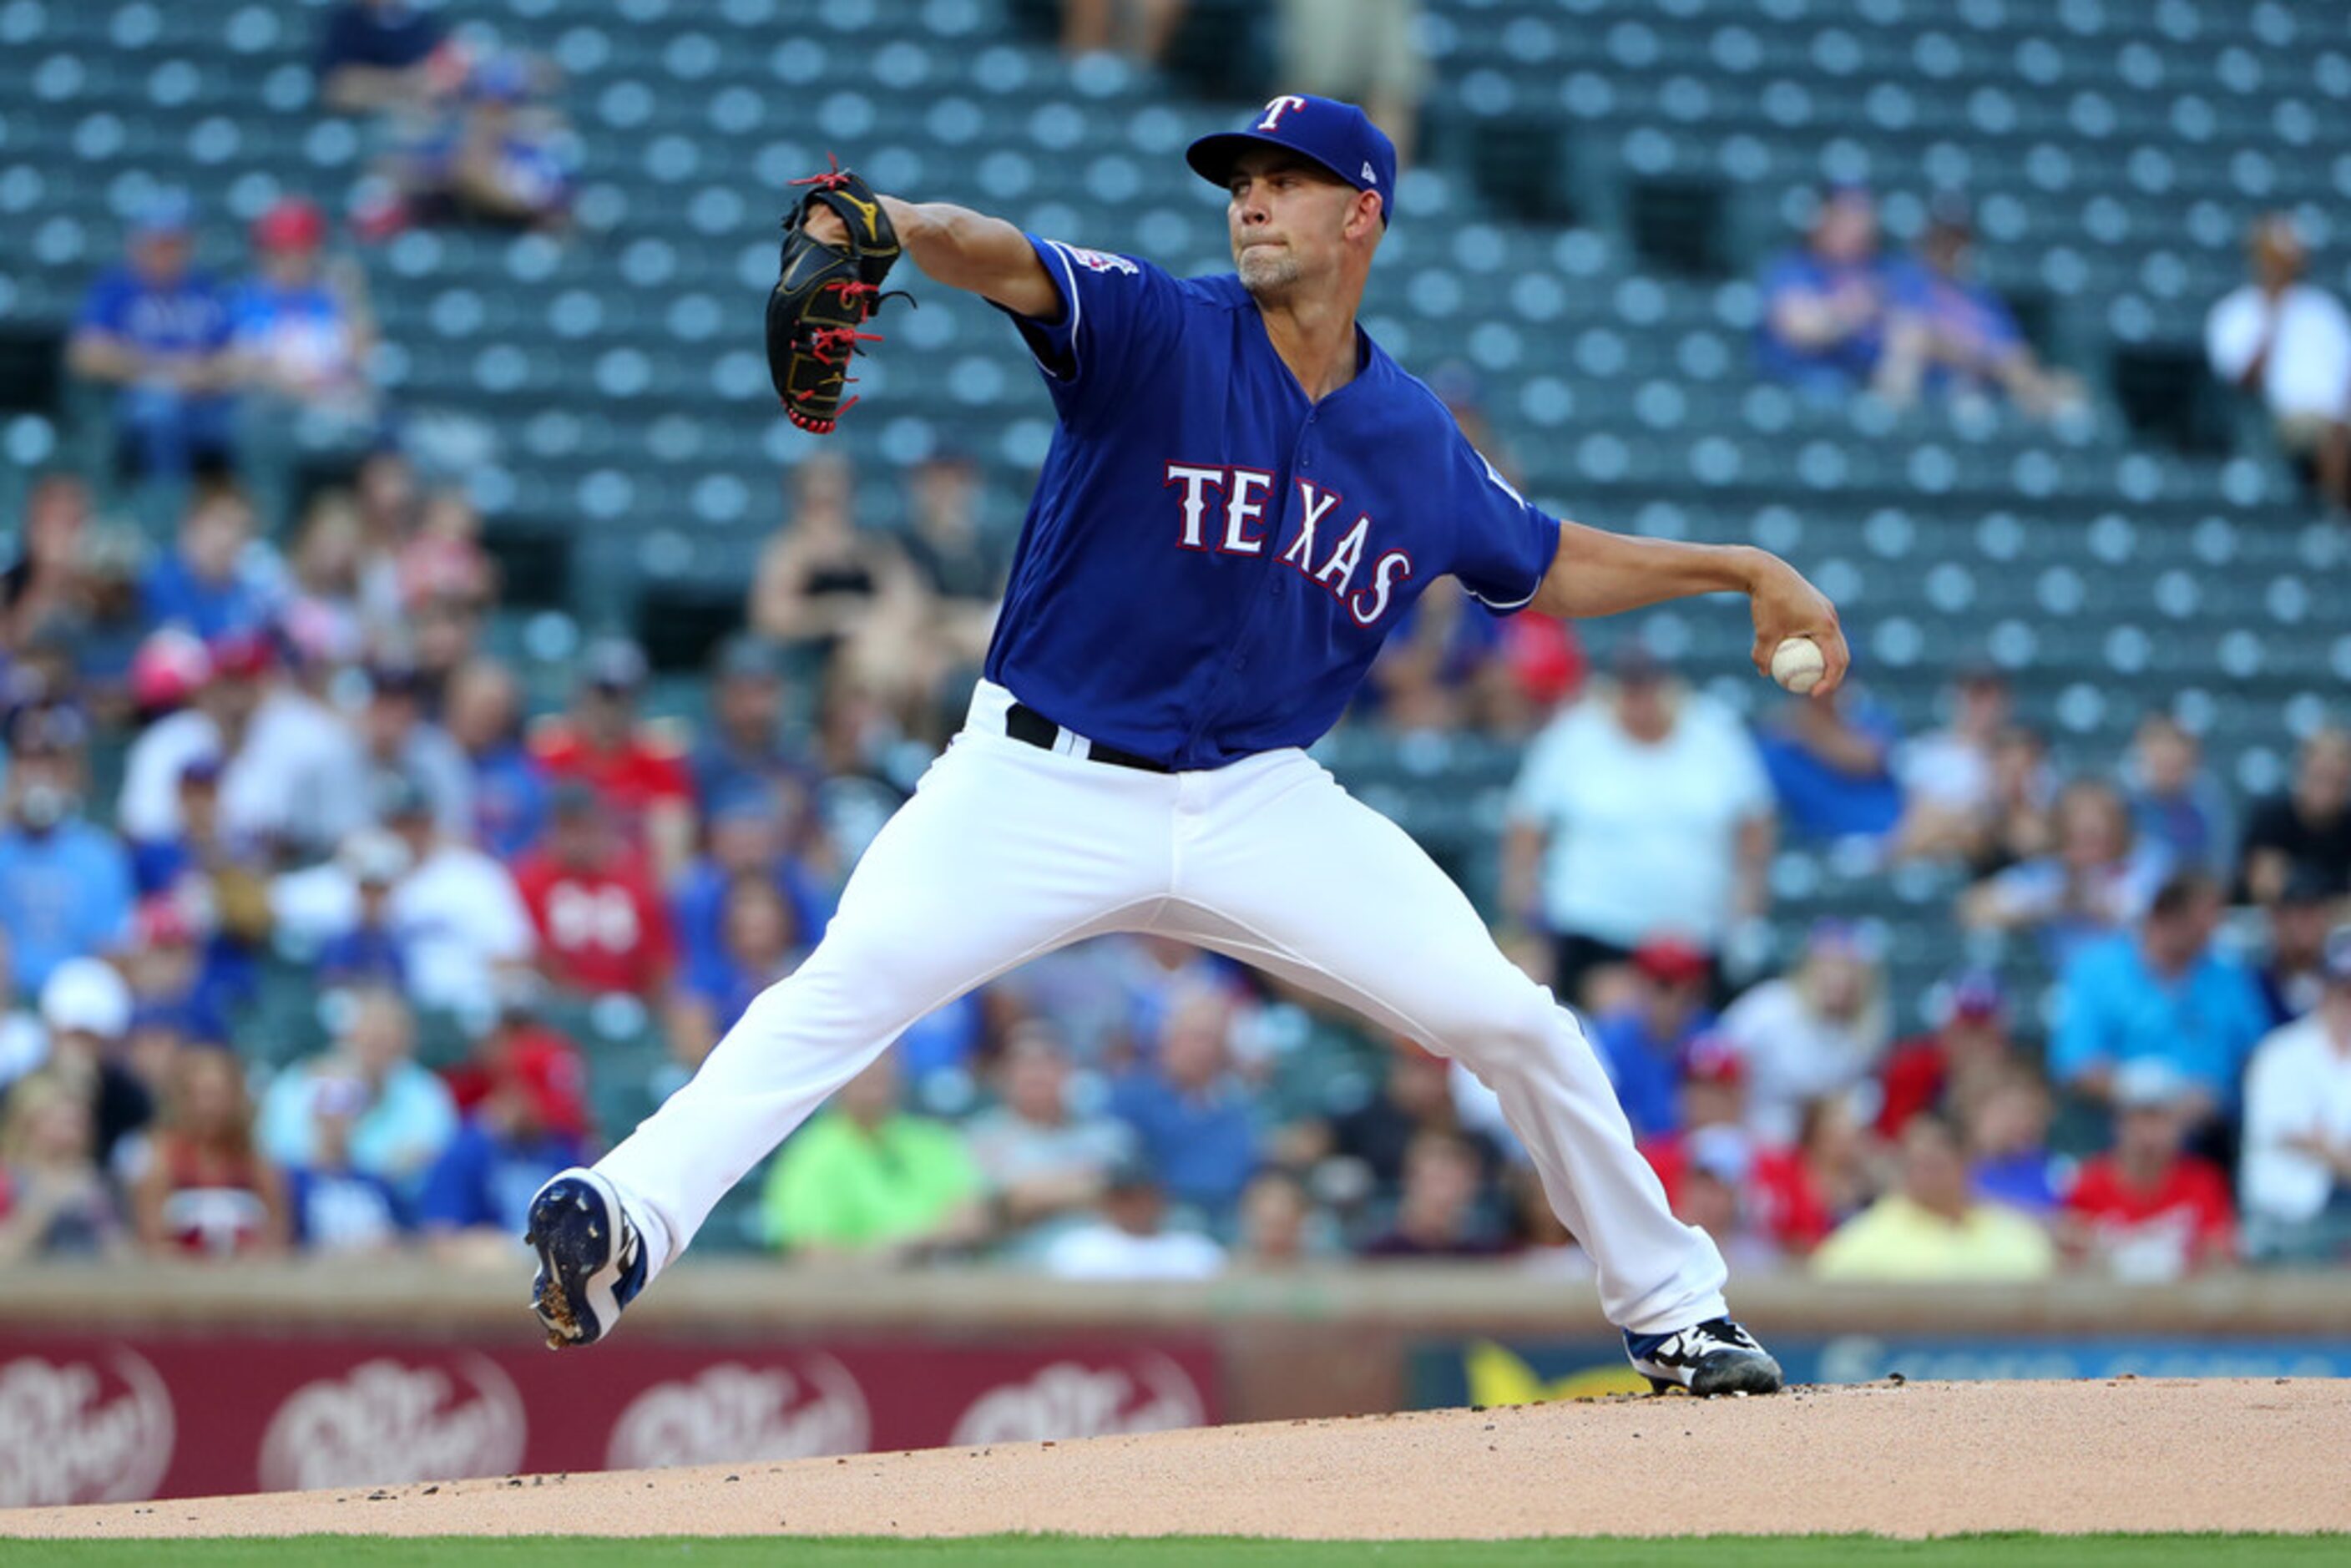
x: 1715, y: 1357
x: 591, y: 1262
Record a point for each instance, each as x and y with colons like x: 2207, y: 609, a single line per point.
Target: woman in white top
x: 1643, y: 811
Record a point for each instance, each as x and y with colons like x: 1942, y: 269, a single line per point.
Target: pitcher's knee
x: 1514, y: 1024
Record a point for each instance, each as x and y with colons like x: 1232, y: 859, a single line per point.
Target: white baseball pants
x: 1009, y: 851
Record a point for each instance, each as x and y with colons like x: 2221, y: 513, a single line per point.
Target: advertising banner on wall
x: 115, y: 1418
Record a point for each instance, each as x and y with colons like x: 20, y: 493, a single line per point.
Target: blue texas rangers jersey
x: 1211, y: 561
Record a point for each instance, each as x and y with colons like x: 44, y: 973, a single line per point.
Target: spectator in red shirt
x: 602, y: 926
x: 1771, y: 1199
x: 1951, y: 1067
x: 523, y: 1049
x: 637, y: 774
x: 2148, y: 1210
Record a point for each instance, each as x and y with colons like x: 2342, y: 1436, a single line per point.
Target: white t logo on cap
x: 1276, y: 108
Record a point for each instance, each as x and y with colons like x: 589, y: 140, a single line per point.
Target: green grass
x: 1023, y: 1550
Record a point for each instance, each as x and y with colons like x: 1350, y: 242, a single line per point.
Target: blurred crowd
x: 331, y: 922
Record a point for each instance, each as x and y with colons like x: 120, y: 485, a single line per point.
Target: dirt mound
x: 1898, y: 1459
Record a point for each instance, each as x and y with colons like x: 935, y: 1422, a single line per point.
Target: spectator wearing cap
x: 1713, y: 1187
x: 224, y: 876
x: 1826, y: 306
x: 206, y: 1190
x: 55, y: 1200
x: 1950, y: 1067
x: 760, y: 942
x: 463, y: 926
x: 743, y: 751
x: 1781, y: 1204
x: 1820, y: 1029
x: 2006, y: 1127
x: 2175, y: 806
x: 85, y: 1011
x: 1642, y: 809
x: 482, y: 712
x: 867, y: 1179
x: 600, y: 922
x: 2289, y: 342
x: 369, y: 953
x: 636, y: 772
x: 1044, y: 1164
x: 202, y: 584
x: 1830, y: 760
x: 1642, y: 1043
x: 1128, y: 1237
x: 2160, y: 992
x: 502, y: 159
x: 1933, y: 1229
x: 336, y: 1207
x: 2308, y: 825
x: 2147, y: 1211
x: 1949, y: 801
x: 2296, y: 1179
x: 287, y: 761
x: 2292, y: 969
x: 1954, y: 336
x: 157, y: 332
x: 2094, y: 882
x: 384, y: 54
x: 396, y: 737
x: 66, y: 887
x: 172, y: 974
x: 303, y: 334
x: 408, y: 1118
x: 529, y: 1122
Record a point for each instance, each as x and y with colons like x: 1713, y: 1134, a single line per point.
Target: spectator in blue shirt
x: 1826, y: 306
x: 1830, y: 761
x: 531, y: 1124
x: 2175, y: 804
x: 160, y: 332
x: 302, y: 334
x: 383, y: 54
x: 483, y: 713
x: 409, y: 1117
x: 746, y: 841
x: 759, y: 943
x: 201, y: 585
x: 1956, y: 337
x: 2160, y: 992
x: 503, y: 161
x: 339, y: 1207
x: 742, y: 751
x: 1192, y: 1120
x: 1642, y: 1043
x: 65, y: 883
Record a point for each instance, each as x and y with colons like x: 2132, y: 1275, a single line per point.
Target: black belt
x: 1025, y: 724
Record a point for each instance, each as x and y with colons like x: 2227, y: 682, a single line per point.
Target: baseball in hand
x: 1797, y: 664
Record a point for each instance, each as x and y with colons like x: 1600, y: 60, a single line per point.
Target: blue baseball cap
x: 1339, y: 136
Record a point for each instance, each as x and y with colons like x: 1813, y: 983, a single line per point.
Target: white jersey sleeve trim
x: 1077, y: 313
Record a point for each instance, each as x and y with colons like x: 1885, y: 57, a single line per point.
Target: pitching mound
x: 1897, y: 1460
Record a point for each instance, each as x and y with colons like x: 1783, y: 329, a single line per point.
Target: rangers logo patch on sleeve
x: 1099, y: 261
